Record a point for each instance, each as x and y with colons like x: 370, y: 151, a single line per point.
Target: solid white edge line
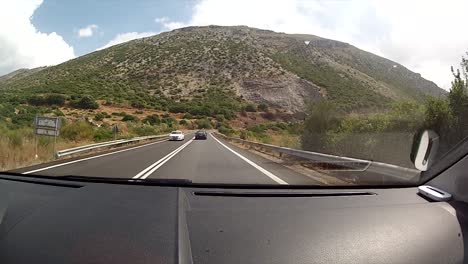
x: 89, y: 158
x: 144, y: 171
x: 253, y: 164
x: 165, y: 160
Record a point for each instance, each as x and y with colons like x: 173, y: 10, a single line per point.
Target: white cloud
x: 21, y: 45
x: 167, y: 24
x: 87, y: 31
x: 124, y: 37
x: 426, y: 36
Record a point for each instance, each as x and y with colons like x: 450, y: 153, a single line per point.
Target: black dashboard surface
x: 117, y: 223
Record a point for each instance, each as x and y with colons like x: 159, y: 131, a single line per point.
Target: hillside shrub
x: 144, y: 130
x: 268, y: 115
x: 169, y: 121
x: 58, y: 113
x: 129, y: 118
x: 263, y: 107
x: 85, y: 102
x: 103, y: 134
x: 187, y: 116
x: 226, y: 131
x: 77, y: 131
x: 152, y: 120
x: 51, y: 99
x: 99, y: 116
x: 251, y: 108
x: 55, y: 99
x: 203, y: 124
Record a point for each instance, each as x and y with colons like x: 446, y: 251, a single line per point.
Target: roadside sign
x: 46, y: 132
x: 47, y: 126
x: 47, y: 122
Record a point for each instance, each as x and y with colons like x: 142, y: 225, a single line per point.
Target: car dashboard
x: 58, y: 221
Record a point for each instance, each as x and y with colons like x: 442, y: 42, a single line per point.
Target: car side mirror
x: 424, y: 149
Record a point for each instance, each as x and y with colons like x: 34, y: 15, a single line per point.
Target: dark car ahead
x: 201, y: 135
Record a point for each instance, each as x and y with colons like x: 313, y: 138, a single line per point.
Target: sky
x: 426, y: 36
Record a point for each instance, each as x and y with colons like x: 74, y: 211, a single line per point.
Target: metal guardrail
x: 66, y: 152
x: 354, y: 164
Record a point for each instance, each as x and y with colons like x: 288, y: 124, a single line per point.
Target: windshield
x: 317, y: 93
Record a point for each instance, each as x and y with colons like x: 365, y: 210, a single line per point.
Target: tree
x: 263, y: 107
x: 322, y: 117
x: 99, y: 116
x: 85, y: 102
x: 438, y: 116
x: 129, y: 118
x: 203, y: 124
x: 55, y: 99
x: 152, y: 120
x: 250, y: 108
x: 449, y: 116
x: 458, y: 99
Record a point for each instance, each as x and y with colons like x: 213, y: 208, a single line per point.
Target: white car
x: 176, y: 135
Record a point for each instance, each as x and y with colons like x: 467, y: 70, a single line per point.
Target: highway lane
x: 202, y: 161
x: 208, y: 161
x: 124, y: 164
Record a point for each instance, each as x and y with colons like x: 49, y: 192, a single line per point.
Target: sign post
x: 115, y: 130
x: 47, y: 126
x: 35, y: 146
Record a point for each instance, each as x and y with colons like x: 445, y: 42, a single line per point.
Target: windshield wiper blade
x: 124, y: 180
x: 162, y: 181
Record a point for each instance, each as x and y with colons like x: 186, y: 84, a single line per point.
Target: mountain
x: 282, y: 70
x: 20, y: 73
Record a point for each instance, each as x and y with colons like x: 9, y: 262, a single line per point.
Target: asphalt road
x: 201, y: 161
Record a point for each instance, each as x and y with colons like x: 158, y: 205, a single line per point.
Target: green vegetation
x: 263, y: 107
x: 103, y: 134
x: 187, y: 116
x: 164, y: 73
x: 346, y: 92
x: 129, y: 118
x: 203, y: 124
x: 215, y: 101
x: 277, y: 133
x: 388, y: 136
x: 152, y: 120
x: 101, y: 116
x: 144, y: 130
x: 250, y: 108
x: 85, y: 102
x: 449, y: 116
x: 51, y: 99
x: 78, y: 131
x: 169, y: 121
x: 226, y: 131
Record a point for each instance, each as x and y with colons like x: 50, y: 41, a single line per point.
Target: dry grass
x: 286, y: 140
x: 78, y: 114
x: 19, y: 154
